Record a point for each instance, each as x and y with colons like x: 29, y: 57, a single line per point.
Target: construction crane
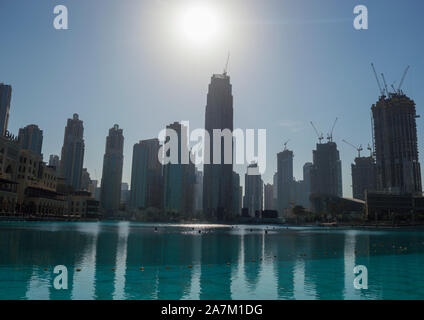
x: 357, y: 148
x: 378, y: 81
x: 370, y: 150
x: 319, y: 135
x: 330, y: 135
x: 385, y: 84
x: 285, y: 144
x: 226, y: 65
x: 403, y: 79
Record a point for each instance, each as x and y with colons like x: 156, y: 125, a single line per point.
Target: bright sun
x: 200, y: 24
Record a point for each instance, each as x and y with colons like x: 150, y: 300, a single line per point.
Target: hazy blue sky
x: 123, y: 61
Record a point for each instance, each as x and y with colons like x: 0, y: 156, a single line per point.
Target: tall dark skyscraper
x: 5, y: 98
x: 268, y: 197
x: 236, y: 189
x: 146, y: 175
x: 326, y: 173
x: 253, y: 195
x: 179, y: 179
x: 72, y: 158
x: 31, y: 138
x: 363, y: 176
x: 110, y: 194
x: 217, y: 180
x: 396, y: 147
x: 307, y: 167
x: 284, y: 180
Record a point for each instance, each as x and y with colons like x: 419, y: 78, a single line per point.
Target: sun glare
x: 200, y: 24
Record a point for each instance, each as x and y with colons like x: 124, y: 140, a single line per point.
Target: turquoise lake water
x: 134, y: 261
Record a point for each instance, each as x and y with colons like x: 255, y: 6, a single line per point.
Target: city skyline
x: 286, y: 108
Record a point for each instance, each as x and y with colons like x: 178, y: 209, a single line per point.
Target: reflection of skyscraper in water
x: 253, y: 255
x: 84, y: 280
x: 216, y: 276
x: 218, y: 186
x: 284, y: 269
x: 175, y: 283
x: 121, y: 261
x: 349, y: 263
x: 106, y: 253
x: 142, y: 248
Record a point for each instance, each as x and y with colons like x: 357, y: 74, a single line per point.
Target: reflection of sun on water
x: 200, y: 24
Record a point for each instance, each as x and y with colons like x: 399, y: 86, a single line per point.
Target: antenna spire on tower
x: 226, y: 65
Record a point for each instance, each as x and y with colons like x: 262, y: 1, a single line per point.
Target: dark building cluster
x: 386, y: 182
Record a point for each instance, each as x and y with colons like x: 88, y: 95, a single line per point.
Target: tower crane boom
x: 403, y: 79
x: 357, y: 148
x: 319, y: 135
x: 378, y: 81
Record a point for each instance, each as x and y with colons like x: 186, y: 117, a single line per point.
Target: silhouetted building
x: 269, y: 197
x: 307, y: 168
x: 236, y: 189
x: 5, y: 98
x: 198, y: 191
x: 217, y: 179
x: 72, y: 158
x: 396, y: 148
x: 110, y: 196
x: 85, y: 180
x: 275, y: 191
x: 146, y: 175
x: 363, y: 177
x: 253, y: 195
x: 125, y: 193
x: 326, y: 173
x: 178, y: 178
x: 54, y: 162
x: 92, y: 188
x: 31, y: 138
x: 284, y: 180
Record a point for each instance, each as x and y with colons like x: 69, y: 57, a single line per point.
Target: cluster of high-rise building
x: 63, y: 187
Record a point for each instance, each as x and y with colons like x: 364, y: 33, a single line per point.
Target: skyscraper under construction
x: 396, y: 149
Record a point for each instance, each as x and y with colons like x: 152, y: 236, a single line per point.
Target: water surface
x: 134, y: 261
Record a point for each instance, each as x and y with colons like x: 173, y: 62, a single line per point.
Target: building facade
x: 72, y: 158
x: 284, y: 180
x: 54, y: 162
x: 326, y: 172
x: 364, y: 177
x: 253, y: 195
x: 269, y: 197
x: 217, y: 180
x: 5, y: 99
x: 113, y: 160
x: 31, y: 138
x: 178, y: 178
x: 396, y: 146
x: 146, y: 175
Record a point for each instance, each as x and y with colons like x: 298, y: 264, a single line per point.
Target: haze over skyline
x: 291, y: 62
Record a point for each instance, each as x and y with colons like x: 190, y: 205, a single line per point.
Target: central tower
x: 218, y: 177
